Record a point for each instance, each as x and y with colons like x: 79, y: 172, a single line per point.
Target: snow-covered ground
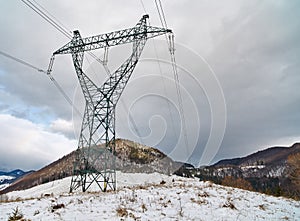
x: 145, y: 197
x: 2, y: 179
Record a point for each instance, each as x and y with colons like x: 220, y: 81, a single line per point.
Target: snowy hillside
x: 149, y: 197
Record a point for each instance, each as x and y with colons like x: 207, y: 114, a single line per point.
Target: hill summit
x: 131, y: 157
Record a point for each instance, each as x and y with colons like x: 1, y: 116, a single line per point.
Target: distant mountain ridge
x: 6, y: 178
x: 12, y: 173
x: 269, y: 156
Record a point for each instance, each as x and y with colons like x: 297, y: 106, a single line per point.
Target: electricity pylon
x: 95, y: 155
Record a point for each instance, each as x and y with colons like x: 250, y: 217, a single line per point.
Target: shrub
x: 229, y: 204
x: 57, y: 206
x: 162, y: 182
x: 16, y: 215
x: 144, y: 208
x: 122, y: 212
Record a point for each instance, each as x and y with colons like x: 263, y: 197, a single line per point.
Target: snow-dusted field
x: 145, y: 197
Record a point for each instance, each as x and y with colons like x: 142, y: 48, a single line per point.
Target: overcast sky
x: 238, y: 66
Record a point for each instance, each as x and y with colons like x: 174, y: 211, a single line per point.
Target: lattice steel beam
x: 95, y: 156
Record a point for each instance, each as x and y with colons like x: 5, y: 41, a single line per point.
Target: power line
x: 61, y: 25
x: 143, y: 6
x: 21, y: 61
x: 163, y: 14
x: 175, y: 71
x: 47, y: 18
x: 165, y: 89
x: 56, y: 84
x: 42, y: 12
x: 159, y: 14
x: 163, y: 80
x: 170, y: 41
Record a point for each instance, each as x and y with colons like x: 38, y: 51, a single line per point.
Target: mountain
x: 130, y: 157
x: 267, y: 171
x: 143, y: 196
x: 271, y: 162
x: 6, y: 178
x: 271, y: 156
x: 14, y: 173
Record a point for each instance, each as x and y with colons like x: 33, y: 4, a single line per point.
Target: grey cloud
x: 249, y: 58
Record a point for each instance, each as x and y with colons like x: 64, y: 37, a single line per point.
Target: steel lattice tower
x: 95, y: 155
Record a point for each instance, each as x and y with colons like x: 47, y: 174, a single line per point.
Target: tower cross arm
x: 112, y: 39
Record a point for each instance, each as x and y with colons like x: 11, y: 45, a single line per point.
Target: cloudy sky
x: 238, y: 66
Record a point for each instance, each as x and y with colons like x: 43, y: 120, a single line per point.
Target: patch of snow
x: 253, y: 167
x: 3, y: 186
x: 276, y: 172
x: 4, y: 177
x: 145, y: 197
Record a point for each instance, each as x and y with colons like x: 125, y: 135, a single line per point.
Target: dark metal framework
x: 95, y: 156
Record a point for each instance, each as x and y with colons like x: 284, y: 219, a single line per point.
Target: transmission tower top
x: 113, y: 38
